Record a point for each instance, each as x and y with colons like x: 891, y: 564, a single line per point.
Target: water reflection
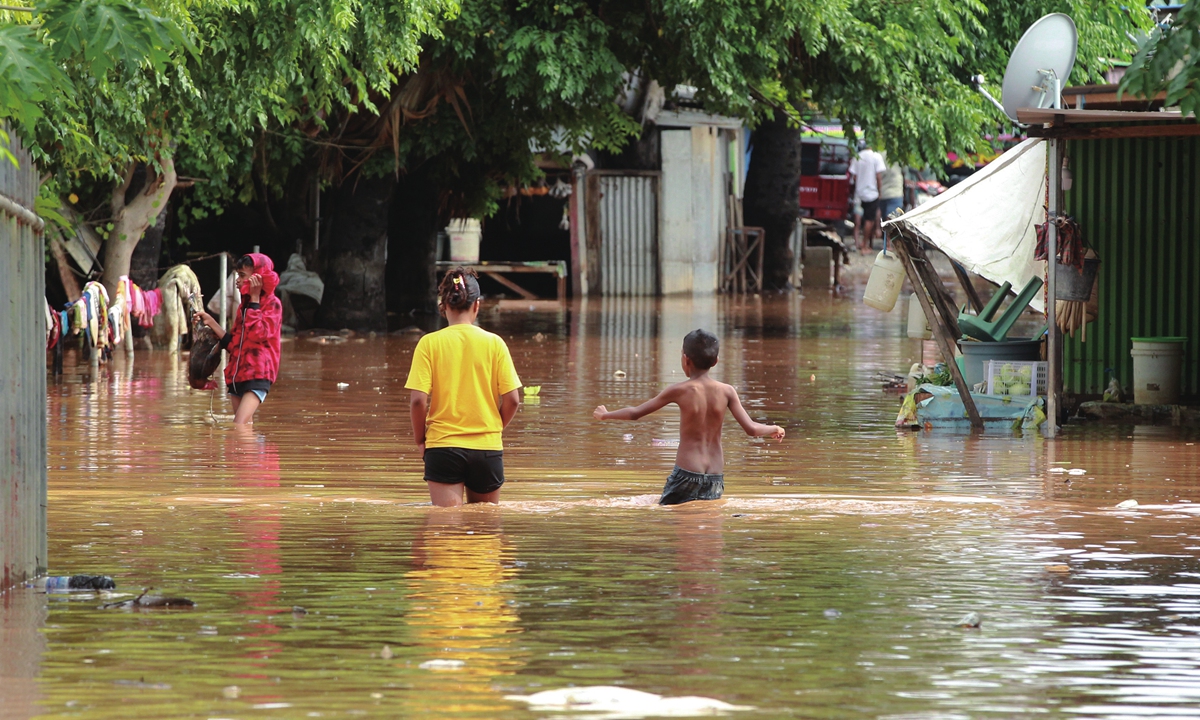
x: 828, y: 582
x: 462, y: 618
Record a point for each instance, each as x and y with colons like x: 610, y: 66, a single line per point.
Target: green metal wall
x: 1138, y: 202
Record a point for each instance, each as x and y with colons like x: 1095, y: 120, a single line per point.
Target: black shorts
x: 685, y: 486
x: 870, y: 208
x: 482, y: 471
x: 258, y: 387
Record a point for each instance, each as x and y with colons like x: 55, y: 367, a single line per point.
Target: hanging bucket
x: 1071, y: 284
x: 883, y: 287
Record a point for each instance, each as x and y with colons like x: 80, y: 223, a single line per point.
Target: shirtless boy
x: 699, y: 463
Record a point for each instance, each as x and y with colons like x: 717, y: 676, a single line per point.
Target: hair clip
x: 457, y: 280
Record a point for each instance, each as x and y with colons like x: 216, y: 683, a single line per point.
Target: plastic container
x: 465, y: 234
x: 1071, y: 284
x: 63, y: 583
x: 976, y: 354
x: 883, y: 287
x: 1157, y: 364
x: 1016, y: 377
x: 918, y: 326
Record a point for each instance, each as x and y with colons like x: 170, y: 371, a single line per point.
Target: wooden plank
x: 902, y: 246
x: 510, y: 285
x: 1122, y: 131
x: 1039, y: 116
x: 968, y: 286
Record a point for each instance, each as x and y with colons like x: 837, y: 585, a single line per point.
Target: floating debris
x: 150, y: 601
x: 386, y: 653
x: 442, y: 665
x: 1058, y: 568
x: 1127, y: 504
x: 971, y: 620
x: 532, y: 390
x: 833, y: 614
x: 624, y: 702
x: 619, y: 374
x: 343, y: 386
x: 232, y: 692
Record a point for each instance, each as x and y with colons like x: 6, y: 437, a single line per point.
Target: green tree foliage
x: 1168, y: 60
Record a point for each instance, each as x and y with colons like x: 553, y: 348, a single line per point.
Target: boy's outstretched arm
x: 657, y: 402
x: 752, y: 428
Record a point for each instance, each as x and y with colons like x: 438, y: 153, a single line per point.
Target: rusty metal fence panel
x: 623, y: 232
x: 22, y: 374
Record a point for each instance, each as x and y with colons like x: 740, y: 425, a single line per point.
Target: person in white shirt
x: 866, y: 173
x: 891, y: 189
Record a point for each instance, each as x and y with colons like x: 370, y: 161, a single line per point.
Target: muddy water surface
x: 829, y: 582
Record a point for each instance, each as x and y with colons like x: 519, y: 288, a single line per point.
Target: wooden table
x: 497, y: 270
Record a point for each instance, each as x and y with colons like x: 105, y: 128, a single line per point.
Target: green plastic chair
x: 982, y: 327
x: 992, y: 306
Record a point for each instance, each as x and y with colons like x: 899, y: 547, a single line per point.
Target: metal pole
x: 224, y: 287
x: 317, y: 216
x: 1053, y: 180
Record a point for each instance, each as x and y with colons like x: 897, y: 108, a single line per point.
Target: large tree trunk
x: 355, y: 255
x: 772, y: 199
x: 131, y: 218
x: 412, y: 250
x: 143, y: 265
x: 69, y: 282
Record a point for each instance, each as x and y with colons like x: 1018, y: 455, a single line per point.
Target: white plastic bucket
x: 918, y: 326
x: 1157, y: 366
x: 465, y: 235
x: 883, y: 287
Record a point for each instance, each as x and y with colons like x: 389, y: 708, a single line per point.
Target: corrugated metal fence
x: 622, y: 232
x: 1138, y: 202
x: 22, y: 374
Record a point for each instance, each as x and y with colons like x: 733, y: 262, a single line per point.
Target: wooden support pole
x: 942, y: 300
x: 941, y: 332
x: 968, y: 287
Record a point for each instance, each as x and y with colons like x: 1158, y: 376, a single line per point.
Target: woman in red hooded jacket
x: 253, y: 341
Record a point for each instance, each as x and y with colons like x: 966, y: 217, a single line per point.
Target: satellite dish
x: 1039, y: 65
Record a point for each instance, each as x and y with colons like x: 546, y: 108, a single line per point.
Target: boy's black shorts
x: 482, y: 471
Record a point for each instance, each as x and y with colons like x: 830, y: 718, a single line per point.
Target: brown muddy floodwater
x: 828, y: 583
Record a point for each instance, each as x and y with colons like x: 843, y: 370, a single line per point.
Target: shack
x: 1129, y: 179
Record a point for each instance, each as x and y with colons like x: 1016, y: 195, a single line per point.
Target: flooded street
x: 828, y: 583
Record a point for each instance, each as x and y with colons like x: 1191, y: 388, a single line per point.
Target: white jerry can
x: 883, y: 287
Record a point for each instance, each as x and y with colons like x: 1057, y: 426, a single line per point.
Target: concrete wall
x: 693, y: 209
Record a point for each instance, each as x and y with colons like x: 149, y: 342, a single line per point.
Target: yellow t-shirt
x: 465, y: 370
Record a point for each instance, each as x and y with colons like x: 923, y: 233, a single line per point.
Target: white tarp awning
x: 986, y: 222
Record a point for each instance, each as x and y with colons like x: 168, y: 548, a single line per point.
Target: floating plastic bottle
x: 63, y: 583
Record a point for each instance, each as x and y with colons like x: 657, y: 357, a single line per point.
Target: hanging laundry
x: 53, y: 328
x: 95, y: 299
x: 151, y: 306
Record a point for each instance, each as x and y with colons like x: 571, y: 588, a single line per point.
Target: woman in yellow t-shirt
x: 464, y: 393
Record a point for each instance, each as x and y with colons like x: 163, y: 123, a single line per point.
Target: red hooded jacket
x: 253, y: 341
